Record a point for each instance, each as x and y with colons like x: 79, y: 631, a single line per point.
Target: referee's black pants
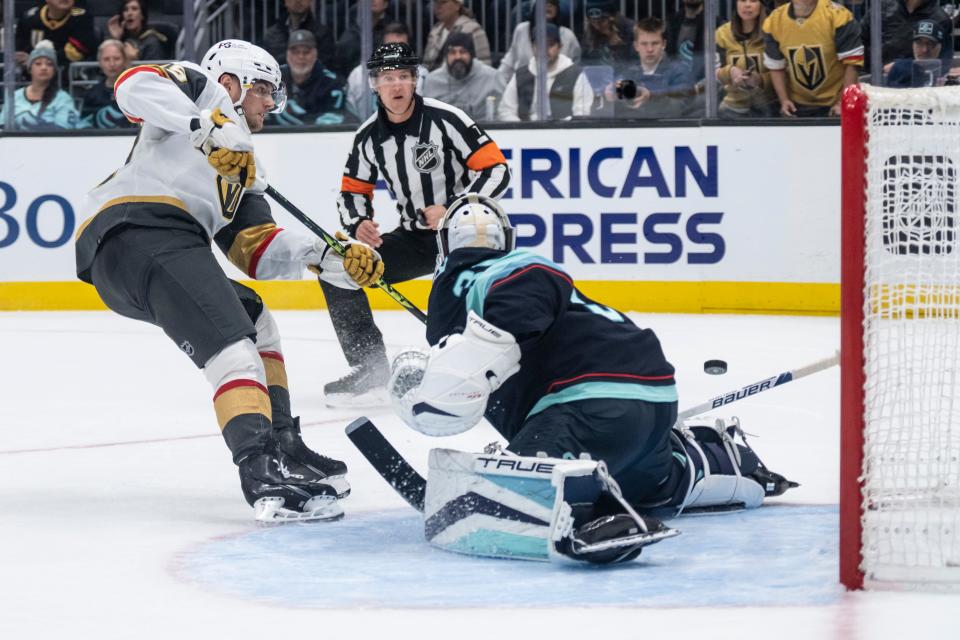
x: 406, y: 255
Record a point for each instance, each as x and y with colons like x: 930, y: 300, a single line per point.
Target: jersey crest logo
x: 426, y: 157
x: 809, y: 68
x: 750, y: 62
x: 175, y: 71
x: 228, y: 194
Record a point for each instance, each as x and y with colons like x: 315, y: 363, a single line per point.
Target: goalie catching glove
x: 227, y: 146
x: 445, y: 392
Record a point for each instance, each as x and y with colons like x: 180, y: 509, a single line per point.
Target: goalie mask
x: 474, y: 220
x: 250, y: 64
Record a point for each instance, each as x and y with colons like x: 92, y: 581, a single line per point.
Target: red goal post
x: 900, y: 339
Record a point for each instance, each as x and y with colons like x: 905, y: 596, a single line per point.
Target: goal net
x: 900, y: 335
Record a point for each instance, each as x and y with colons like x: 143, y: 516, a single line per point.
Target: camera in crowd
x: 626, y: 90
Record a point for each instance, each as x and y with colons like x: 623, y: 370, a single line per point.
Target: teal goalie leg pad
x: 503, y: 506
x: 490, y: 505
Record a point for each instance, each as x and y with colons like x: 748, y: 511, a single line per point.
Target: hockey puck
x: 715, y: 367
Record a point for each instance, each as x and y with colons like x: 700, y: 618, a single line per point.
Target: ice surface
x: 122, y: 515
x: 369, y: 557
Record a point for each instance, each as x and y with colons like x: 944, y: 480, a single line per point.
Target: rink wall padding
x: 687, y: 219
x: 651, y: 297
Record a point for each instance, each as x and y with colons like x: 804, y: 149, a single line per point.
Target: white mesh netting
x: 911, y: 469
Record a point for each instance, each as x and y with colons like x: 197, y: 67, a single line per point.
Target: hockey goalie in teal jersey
x: 585, y: 398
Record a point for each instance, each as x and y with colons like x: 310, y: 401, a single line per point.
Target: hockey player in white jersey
x: 193, y: 177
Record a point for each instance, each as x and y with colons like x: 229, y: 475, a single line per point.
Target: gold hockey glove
x: 361, y: 262
x: 227, y: 146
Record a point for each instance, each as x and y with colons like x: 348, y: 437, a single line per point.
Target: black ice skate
x: 300, y: 461
x: 582, y: 532
x: 613, y: 538
x: 277, y: 495
x: 749, y: 462
x: 364, y: 386
x: 751, y: 466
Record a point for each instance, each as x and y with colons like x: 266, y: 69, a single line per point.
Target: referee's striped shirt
x: 439, y: 153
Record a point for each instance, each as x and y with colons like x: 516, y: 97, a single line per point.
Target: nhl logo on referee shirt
x: 426, y: 157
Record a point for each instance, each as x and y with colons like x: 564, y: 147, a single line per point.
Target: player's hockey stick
x: 388, y: 462
x: 759, y: 386
x: 336, y: 245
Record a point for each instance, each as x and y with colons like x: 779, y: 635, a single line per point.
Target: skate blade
x: 642, y: 539
x: 338, y: 484
x: 374, y: 398
x: 270, y: 511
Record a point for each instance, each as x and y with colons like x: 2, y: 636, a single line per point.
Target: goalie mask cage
x: 900, y: 339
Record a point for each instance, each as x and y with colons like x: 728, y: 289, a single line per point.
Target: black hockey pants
x: 631, y: 436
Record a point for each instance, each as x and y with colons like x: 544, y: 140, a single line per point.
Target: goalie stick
x: 388, y: 462
x: 757, y: 387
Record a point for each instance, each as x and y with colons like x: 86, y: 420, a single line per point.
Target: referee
x: 428, y: 153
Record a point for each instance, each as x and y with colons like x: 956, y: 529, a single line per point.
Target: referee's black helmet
x: 393, y: 55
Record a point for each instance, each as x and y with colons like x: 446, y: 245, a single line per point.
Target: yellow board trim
x: 789, y: 298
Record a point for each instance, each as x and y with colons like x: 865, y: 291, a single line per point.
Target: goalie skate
x: 608, y: 539
x: 614, y: 538
x: 270, y: 511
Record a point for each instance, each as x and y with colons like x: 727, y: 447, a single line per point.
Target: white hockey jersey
x: 166, y: 182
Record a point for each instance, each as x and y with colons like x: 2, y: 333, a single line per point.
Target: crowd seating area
x: 605, y: 59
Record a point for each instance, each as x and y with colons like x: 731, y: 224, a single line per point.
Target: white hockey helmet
x: 249, y: 63
x: 474, y: 220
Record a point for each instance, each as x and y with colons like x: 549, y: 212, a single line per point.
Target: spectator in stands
x: 568, y: 89
x: 67, y: 27
x: 813, y: 51
x: 608, y: 36
x: 685, y: 30
x: 463, y: 81
x: 520, y: 52
x: 896, y: 33
x: 348, y: 46
x: 315, y: 95
x: 100, y: 108
x: 453, y: 17
x: 358, y: 87
x: 740, y: 69
x: 659, y: 86
x: 142, y: 41
x: 299, y: 16
x: 927, y: 43
x: 42, y: 105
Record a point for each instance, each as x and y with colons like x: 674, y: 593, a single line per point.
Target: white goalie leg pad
x: 270, y: 511
x: 493, y: 505
x: 459, y: 374
x: 237, y: 361
x: 506, y: 506
x: 709, y: 490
